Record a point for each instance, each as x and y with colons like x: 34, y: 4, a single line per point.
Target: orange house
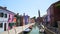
x: 14, y: 20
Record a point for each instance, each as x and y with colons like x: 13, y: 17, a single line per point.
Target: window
x: 11, y: 24
x: 5, y: 15
x: 1, y: 14
x: 1, y: 25
x: 9, y: 17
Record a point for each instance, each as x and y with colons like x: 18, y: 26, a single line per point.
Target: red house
x: 53, y: 13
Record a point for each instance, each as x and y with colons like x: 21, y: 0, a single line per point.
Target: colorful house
x: 53, y: 13
x: 26, y: 17
x: 11, y: 20
x: 22, y: 21
x: 5, y: 18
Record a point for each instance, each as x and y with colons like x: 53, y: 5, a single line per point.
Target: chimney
x: 17, y: 13
x: 5, y: 7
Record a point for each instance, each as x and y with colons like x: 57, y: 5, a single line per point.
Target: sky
x: 29, y: 7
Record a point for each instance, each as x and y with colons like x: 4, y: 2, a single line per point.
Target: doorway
x: 4, y: 26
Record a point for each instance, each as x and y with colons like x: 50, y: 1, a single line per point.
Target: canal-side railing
x: 52, y: 30
x: 48, y: 31
x: 58, y: 27
x: 17, y: 30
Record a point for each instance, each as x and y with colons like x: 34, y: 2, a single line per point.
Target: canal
x: 35, y: 30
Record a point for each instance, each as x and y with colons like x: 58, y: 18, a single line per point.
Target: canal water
x: 35, y: 30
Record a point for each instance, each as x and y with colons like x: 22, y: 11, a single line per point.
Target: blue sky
x: 29, y: 7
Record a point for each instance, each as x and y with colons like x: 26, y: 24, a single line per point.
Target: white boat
x: 27, y: 30
x: 42, y: 29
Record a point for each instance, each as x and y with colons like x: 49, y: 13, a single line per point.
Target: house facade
x: 53, y: 13
x: 5, y: 15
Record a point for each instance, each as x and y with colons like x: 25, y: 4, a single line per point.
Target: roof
x: 8, y: 11
x: 55, y: 3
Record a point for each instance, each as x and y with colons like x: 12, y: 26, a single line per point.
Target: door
x: 1, y: 27
x: 4, y: 26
